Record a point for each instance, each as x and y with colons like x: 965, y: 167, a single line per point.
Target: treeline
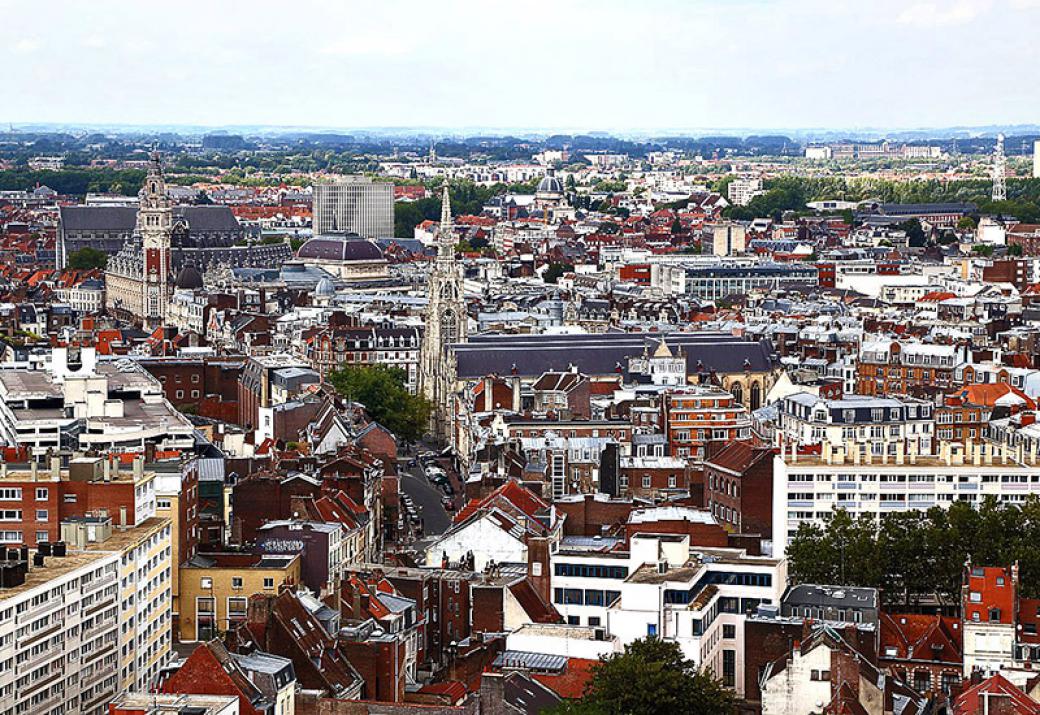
x: 792, y: 193
x: 916, y: 555
x: 76, y: 182
x: 467, y: 198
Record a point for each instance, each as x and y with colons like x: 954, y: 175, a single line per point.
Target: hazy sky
x: 597, y: 64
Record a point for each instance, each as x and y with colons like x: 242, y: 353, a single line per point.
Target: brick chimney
x: 538, y: 566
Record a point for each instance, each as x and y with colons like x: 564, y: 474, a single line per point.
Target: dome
x: 340, y: 248
x: 549, y: 185
x: 325, y: 288
x: 189, y: 278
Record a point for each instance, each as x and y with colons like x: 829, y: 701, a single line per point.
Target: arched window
x: 738, y: 392
x: 756, y: 396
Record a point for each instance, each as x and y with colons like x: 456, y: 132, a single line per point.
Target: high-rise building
x: 354, y: 205
x: 1036, y: 159
x: 88, y: 618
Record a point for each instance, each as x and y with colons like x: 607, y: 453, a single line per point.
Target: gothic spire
x: 445, y: 238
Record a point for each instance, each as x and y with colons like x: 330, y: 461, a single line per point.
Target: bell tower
x: 154, y: 225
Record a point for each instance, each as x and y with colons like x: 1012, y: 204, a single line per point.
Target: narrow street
x: 427, y: 499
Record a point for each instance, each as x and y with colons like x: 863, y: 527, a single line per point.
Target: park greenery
x: 792, y: 193
x: 915, y: 556
x: 381, y: 389
x: 650, y: 677
x: 87, y: 258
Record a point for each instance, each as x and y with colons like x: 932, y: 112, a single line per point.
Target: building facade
x: 354, y: 205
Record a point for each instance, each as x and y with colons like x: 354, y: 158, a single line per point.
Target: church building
x: 445, y: 324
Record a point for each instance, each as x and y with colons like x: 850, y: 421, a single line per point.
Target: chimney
x: 122, y: 516
x: 108, y: 468
x: 33, y: 469
x: 56, y: 468
x: 899, y: 454
x: 538, y: 566
x: 138, y: 468
x: 115, y: 467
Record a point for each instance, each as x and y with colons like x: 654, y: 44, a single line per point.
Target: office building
x: 354, y: 205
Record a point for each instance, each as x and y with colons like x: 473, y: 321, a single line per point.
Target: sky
x: 555, y: 64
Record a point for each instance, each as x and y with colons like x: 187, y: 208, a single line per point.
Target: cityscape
x: 448, y: 368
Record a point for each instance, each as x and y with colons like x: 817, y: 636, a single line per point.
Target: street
x: 427, y: 499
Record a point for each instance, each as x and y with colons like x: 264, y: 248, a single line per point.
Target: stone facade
x: 445, y: 325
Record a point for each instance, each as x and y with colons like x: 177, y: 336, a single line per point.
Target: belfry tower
x: 154, y: 225
x: 445, y: 324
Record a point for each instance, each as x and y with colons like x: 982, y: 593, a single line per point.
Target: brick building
x: 738, y: 484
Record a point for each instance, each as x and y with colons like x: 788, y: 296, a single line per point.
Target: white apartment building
x: 81, y: 403
x: 661, y: 586
x: 354, y: 204
x: 76, y: 630
x: 741, y: 191
x: 808, y: 488
x: 877, y: 424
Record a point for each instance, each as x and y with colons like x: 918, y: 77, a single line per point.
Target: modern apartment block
x: 84, y: 619
x: 808, y: 488
x: 661, y: 586
x: 354, y: 205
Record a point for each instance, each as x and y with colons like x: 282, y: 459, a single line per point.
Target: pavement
x: 427, y: 499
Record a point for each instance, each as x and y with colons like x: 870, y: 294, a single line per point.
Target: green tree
x: 87, y: 258
x: 381, y: 389
x: 915, y: 236
x: 966, y: 223
x: 555, y: 271
x: 983, y: 249
x: 650, y: 677
x: 1014, y: 249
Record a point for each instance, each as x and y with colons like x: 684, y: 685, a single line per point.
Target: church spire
x: 445, y: 234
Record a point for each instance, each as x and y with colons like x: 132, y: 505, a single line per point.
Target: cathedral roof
x: 549, y: 185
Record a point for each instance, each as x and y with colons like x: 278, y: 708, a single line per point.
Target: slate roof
x: 124, y: 218
x: 340, y: 248
x: 599, y: 353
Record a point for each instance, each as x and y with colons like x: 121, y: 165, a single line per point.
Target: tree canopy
x: 916, y: 554
x: 650, y: 677
x: 555, y: 271
x: 381, y: 389
x: 86, y: 258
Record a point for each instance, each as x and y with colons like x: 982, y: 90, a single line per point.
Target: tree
x: 676, y: 226
x: 87, y: 257
x: 555, y: 271
x: 651, y: 676
x: 915, y: 237
x: 1014, y: 249
x: 381, y: 389
x: 982, y: 249
x: 966, y: 223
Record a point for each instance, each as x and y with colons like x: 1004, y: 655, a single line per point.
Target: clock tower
x: 154, y: 225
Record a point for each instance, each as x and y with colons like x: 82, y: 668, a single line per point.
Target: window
x: 236, y: 611
x: 594, y: 620
x: 10, y: 514
x: 10, y: 494
x: 69, y: 498
x: 268, y: 582
x: 236, y: 582
x: 205, y: 618
x: 729, y: 630
x: 646, y: 481
x: 729, y: 668
x: 41, y: 493
x: 651, y: 629
x: 41, y: 515
x: 42, y: 536
x: 573, y: 621
x: 206, y: 582
x: 162, y: 503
